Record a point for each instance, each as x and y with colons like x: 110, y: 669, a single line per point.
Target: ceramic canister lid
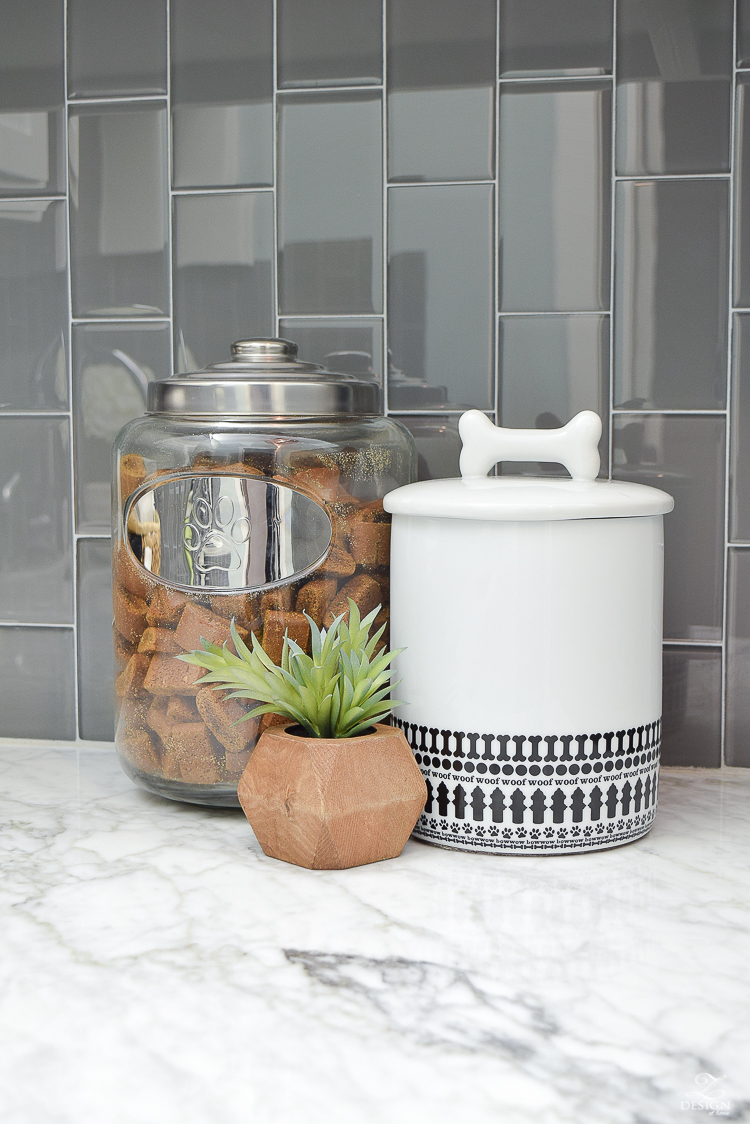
x: 474, y: 495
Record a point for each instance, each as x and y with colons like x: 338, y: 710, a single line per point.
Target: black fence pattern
x: 573, y: 791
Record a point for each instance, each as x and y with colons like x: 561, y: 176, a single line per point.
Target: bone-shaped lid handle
x: 575, y: 445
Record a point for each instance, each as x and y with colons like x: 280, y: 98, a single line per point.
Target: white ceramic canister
x: 530, y: 610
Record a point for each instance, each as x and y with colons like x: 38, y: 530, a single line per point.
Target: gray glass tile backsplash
x: 526, y: 206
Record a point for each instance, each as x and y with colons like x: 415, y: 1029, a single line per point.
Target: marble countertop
x: 157, y: 968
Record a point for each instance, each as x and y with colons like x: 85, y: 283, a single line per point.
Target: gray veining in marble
x: 156, y: 968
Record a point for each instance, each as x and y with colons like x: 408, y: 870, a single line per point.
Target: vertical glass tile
x: 95, y: 652
x: 33, y: 305
x: 549, y: 368
x: 691, y: 707
x: 438, y: 444
x: 740, y: 441
x: 32, y: 97
x: 440, y: 297
x: 222, y: 93
x: 742, y: 195
x: 671, y: 246
x: 330, y: 205
x: 743, y: 33
x: 223, y: 281
x: 684, y: 456
x: 330, y: 43
x: 35, y: 534
x: 116, y: 48
x: 540, y: 38
x: 441, y: 89
x: 554, y: 197
x: 674, y: 72
x: 738, y: 660
x: 119, y: 211
x: 37, y: 671
x: 352, y: 346
x: 112, y: 366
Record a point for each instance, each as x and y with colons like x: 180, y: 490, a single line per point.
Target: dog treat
x: 320, y: 480
x: 130, y: 615
x: 235, y: 763
x: 315, y: 597
x: 272, y: 720
x: 132, y: 474
x: 339, y: 564
x: 123, y: 649
x: 165, y: 606
x: 275, y: 624
x: 363, y: 590
x: 181, y: 708
x: 158, y: 719
x: 370, y: 543
x: 243, y: 607
x: 130, y: 574
x: 158, y: 640
x: 189, y: 752
x: 280, y: 598
x: 130, y: 682
x: 198, y: 623
x: 169, y: 676
x: 220, y: 713
x: 140, y: 751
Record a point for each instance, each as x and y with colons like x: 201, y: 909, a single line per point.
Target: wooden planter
x: 331, y: 803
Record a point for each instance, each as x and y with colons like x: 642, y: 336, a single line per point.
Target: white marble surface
x: 158, y: 969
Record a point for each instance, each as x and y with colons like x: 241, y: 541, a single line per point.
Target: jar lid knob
x: 259, y: 349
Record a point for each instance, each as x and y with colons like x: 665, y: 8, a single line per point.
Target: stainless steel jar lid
x: 264, y: 377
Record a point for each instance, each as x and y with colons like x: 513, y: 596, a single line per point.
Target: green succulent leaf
x: 337, y: 691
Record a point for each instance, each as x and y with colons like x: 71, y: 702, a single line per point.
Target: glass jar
x: 251, y: 491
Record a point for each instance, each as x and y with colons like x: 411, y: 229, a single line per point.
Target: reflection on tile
x: 35, y: 536
x: 112, y: 365
x: 119, y: 211
x: 352, y: 346
x: 440, y: 297
x: 554, y: 197
x: 742, y: 195
x: 740, y: 441
x: 547, y: 37
x: 438, y: 444
x: 37, y: 672
x: 738, y: 660
x: 223, y: 284
x: 330, y: 42
x: 684, y: 456
x: 95, y: 654
x: 549, y: 368
x: 691, y: 707
x: 330, y: 206
x: 32, y: 96
x: 33, y: 305
x: 222, y: 89
x: 116, y: 48
x: 671, y: 294
x: 674, y: 70
x: 441, y: 68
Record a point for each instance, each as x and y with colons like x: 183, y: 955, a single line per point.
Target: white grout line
x: 275, y: 163
x: 39, y: 624
x: 554, y: 79
x: 559, y: 312
x: 496, y: 396
x: 679, y: 413
x: 672, y: 643
x: 69, y: 373
x: 114, y: 99
x: 83, y: 536
x: 730, y: 362
x: 332, y: 316
x: 108, y: 321
x: 345, y: 88
x: 170, y: 203
x: 228, y: 190
x: 439, y: 183
x: 649, y: 176
x: 384, y: 204
x: 612, y: 217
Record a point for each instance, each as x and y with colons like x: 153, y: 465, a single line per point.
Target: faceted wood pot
x: 332, y: 803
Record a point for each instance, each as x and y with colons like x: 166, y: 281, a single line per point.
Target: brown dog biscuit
x: 130, y: 682
x: 220, y: 713
x: 130, y: 614
x: 190, y: 754
x: 169, y: 676
x: 182, y: 708
x: 338, y: 564
x: 158, y: 640
x: 275, y: 624
x: 280, y: 598
x: 370, y: 543
x: 165, y: 605
x: 315, y: 597
x: 198, y: 623
x: 129, y: 573
x: 139, y: 749
x: 132, y: 474
x: 364, y: 592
